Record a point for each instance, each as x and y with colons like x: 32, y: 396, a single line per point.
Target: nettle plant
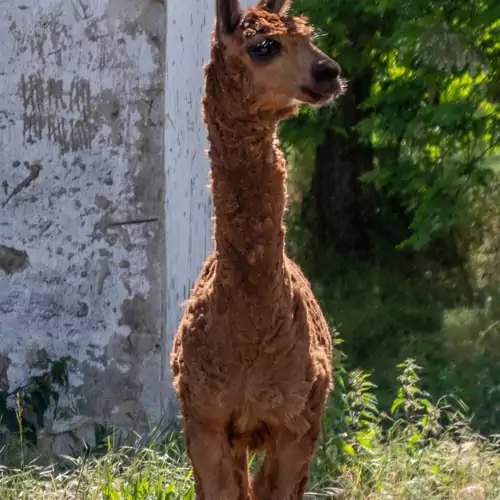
x: 356, y: 429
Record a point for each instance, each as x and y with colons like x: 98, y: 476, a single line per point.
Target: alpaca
x: 252, y: 358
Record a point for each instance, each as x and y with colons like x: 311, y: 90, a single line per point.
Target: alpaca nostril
x: 325, y: 71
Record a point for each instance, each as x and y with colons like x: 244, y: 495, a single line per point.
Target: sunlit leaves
x: 433, y: 110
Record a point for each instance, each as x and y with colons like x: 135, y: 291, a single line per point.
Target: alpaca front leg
x: 284, y: 471
x: 220, y: 473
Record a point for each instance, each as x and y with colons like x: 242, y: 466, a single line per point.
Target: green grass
x: 126, y: 473
x: 439, y: 471
x: 416, y: 449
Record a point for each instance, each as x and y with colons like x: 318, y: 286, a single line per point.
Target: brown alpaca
x: 252, y: 357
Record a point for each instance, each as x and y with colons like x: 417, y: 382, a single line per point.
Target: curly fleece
x: 251, y: 359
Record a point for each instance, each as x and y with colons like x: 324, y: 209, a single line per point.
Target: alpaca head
x: 270, y: 53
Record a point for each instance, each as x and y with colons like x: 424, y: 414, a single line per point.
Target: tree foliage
x: 423, y: 107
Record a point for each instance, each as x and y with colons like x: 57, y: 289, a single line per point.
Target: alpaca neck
x: 248, y: 174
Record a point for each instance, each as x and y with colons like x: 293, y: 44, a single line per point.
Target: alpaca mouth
x: 317, y: 97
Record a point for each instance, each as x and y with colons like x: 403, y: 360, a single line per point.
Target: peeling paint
x: 37, y: 358
x: 136, y: 313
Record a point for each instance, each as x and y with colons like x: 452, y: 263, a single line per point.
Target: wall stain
x: 34, y: 172
x: 136, y: 313
x: 49, y: 38
x: 43, y: 104
x: 13, y: 260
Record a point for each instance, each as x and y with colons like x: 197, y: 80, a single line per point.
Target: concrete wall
x: 81, y: 168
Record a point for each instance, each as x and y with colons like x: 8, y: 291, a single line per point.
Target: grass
x: 440, y: 471
x: 126, y: 473
x: 416, y: 449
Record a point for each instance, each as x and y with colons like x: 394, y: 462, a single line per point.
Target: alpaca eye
x: 265, y: 50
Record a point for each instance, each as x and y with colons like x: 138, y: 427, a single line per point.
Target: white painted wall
x: 81, y: 147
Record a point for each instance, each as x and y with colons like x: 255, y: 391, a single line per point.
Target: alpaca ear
x: 227, y: 16
x: 279, y: 7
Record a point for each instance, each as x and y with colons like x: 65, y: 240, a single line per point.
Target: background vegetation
x: 395, y: 217
x: 396, y: 199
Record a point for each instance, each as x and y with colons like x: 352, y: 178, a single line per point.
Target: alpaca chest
x: 269, y: 379
x: 247, y: 362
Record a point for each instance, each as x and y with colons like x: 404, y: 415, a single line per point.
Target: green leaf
x: 396, y: 404
x: 414, y: 440
x: 348, y: 449
x: 365, y: 440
